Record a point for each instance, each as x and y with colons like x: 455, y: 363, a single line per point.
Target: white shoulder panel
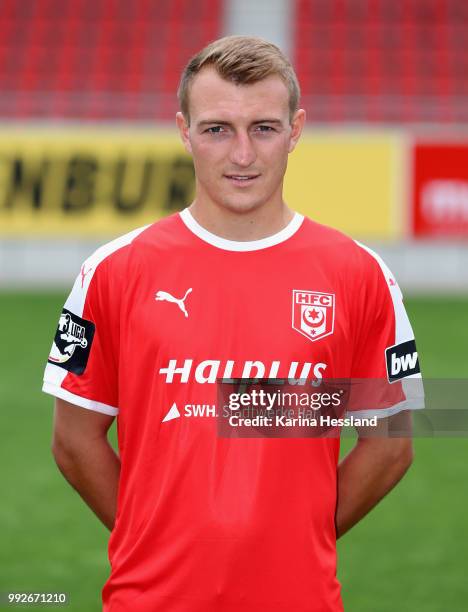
x: 76, y: 300
x: 403, y: 329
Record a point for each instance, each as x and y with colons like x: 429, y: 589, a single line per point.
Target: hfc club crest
x: 313, y: 313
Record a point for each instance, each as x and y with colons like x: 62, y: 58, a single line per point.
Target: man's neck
x: 241, y: 226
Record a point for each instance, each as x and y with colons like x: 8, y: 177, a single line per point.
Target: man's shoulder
x: 345, y: 251
x: 116, y: 251
x: 333, y: 240
x: 325, y: 233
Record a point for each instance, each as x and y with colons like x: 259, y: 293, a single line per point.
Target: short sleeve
x: 385, y: 373
x: 82, y: 364
x: 82, y: 367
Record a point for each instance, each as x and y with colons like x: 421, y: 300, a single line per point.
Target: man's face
x: 240, y: 137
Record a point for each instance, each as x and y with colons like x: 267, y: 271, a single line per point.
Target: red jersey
x: 208, y: 523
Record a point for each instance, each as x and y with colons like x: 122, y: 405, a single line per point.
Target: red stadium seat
x: 367, y: 60
x: 95, y: 59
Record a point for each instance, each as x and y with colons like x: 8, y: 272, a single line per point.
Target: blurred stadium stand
x: 99, y: 59
x: 402, y: 61
x: 402, y: 64
x: 357, y: 60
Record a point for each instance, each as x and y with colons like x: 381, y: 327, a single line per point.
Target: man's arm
x: 371, y: 470
x: 85, y: 457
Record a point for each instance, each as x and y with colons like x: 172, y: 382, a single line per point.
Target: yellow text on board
x: 107, y: 181
x: 90, y: 182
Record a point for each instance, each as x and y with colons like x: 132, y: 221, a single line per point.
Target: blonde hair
x: 241, y: 60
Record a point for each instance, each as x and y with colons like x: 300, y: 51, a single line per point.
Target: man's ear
x: 184, y: 131
x: 297, y: 125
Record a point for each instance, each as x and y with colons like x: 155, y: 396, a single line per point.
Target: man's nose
x: 242, y: 151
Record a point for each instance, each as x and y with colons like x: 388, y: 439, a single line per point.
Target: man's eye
x: 265, y: 128
x: 216, y: 129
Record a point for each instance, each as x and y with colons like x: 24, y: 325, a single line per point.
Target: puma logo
x: 84, y: 274
x: 167, y: 297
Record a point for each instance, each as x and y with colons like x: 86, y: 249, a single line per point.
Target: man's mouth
x: 241, y: 179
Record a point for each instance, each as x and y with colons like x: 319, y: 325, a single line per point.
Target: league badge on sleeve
x: 313, y: 313
x: 72, y: 342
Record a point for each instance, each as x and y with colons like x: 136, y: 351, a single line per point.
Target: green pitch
x: 410, y: 554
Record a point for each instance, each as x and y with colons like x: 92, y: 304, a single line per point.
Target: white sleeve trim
x: 408, y: 404
x: 83, y: 402
x: 403, y: 329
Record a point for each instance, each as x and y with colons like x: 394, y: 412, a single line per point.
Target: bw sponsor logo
x: 402, y: 360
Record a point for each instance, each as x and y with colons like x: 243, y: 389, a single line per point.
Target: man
x: 202, y: 522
